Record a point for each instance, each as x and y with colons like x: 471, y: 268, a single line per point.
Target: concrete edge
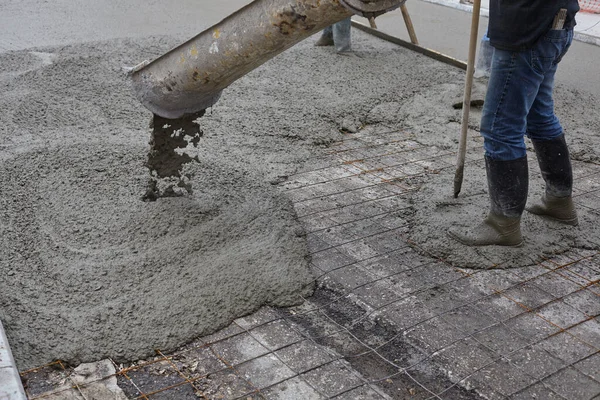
x: 11, y: 387
x: 463, y: 7
x: 580, y: 37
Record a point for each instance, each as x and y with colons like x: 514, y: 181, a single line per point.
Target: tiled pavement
x: 385, y: 321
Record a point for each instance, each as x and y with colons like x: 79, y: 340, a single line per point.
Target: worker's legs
x: 342, y: 36
x: 542, y: 123
x: 555, y: 164
x: 508, y: 182
x: 338, y: 34
x: 546, y: 134
x: 326, y: 38
x: 512, y: 89
x: 519, y: 97
x: 518, y: 82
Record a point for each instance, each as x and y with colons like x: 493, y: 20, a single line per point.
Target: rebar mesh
x: 385, y: 320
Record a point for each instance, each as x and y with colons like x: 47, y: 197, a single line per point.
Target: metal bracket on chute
x: 371, y: 8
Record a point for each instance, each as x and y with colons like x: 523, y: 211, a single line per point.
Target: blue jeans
x: 341, y: 33
x: 519, y: 97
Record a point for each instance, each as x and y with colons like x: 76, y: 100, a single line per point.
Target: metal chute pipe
x: 371, y: 8
x: 191, y: 77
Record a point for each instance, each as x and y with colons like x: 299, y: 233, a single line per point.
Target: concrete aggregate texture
x: 317, y: 172
x: 81, y: 250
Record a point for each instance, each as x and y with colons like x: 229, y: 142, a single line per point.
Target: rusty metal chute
x: 191, y: 77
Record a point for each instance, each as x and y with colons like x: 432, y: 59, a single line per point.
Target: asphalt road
x: 447, y: 31
x: 34, y: 23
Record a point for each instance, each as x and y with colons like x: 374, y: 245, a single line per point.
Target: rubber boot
x: 508, y: 183
x: 342, y: 36
x: 326, y: 38
x: 557, y: 201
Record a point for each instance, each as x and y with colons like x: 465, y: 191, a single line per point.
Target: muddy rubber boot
x: 326, y: 38
x: 559, y: 209
x: 342, y: 36
x: 555, y: 164
x: 508, y: 183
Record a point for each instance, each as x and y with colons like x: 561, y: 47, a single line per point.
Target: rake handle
x: 462, y: 145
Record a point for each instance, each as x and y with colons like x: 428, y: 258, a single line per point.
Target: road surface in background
x: 30, y: 23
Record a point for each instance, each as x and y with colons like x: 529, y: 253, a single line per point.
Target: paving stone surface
x: 385, y: 321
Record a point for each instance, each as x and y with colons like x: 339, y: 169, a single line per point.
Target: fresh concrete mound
x: 437, y: 211
x: 91, y: 271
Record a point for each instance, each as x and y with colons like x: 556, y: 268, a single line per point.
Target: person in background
x: 337, y: 35
x: 529, y: 37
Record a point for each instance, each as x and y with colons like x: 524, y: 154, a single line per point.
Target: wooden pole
x: 436, y: 55
x: 462, y: 146
x: 409, y: 24
x: 372, y: 23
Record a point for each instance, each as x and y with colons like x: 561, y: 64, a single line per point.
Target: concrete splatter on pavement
x: 436, y: 211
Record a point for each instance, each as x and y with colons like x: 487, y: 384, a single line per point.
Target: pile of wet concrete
x: 92, y: 271
x: 89, y: 269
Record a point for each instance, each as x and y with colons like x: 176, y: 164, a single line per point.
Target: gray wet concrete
x: 386, y: 322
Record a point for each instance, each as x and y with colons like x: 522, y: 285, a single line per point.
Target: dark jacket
x: 515, y: 25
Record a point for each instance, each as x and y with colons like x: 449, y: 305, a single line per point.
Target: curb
x: 10, y: 381
x: 580, y: 37
x: 463, y: 7
x: 589, y: 39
